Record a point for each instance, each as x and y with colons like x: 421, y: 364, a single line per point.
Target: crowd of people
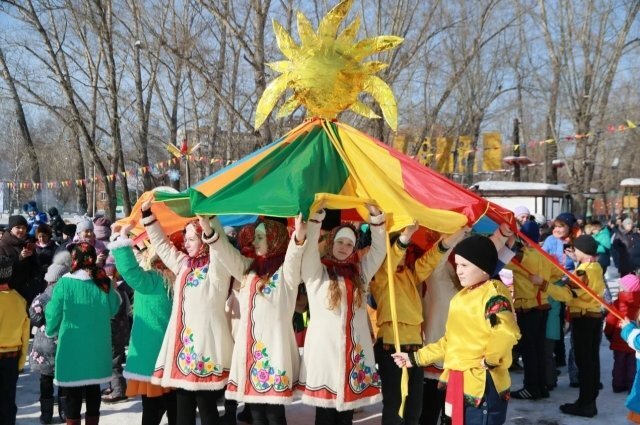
x: 284, y: 309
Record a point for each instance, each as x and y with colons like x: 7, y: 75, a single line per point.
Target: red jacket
x: 629, y: 304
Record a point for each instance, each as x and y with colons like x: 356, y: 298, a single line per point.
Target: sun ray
x: 369, y: 46
x: 281, y: 66
x: 350, y: 32
x: 287, y: 46
x: 305, y: 31
x: 326, y: 70
x: 328, y: 27
x: 374, y: 67
x: 288, y: 107
x: 383, y: 94
x: 270, y: 97
x: 364, y: 110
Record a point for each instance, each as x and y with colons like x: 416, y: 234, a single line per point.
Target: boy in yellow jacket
x: 480, y: 333
x: 14, y: 341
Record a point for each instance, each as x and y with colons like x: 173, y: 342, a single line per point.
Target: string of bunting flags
x: 55, y: 184
x: 611, y: 128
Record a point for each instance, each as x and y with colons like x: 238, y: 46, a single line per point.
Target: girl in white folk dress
x: 338, y: 372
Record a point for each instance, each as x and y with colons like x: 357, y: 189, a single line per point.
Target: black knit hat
x: 586, y: 244
x: 6, y: 268
x: 480, y: 251
x: 69, y: 230
x: 17, y: 220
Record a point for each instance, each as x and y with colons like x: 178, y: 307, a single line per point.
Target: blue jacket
x: 631, y: 334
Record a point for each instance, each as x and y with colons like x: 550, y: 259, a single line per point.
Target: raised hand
x: 453, y: 239
x: 300, y: 229
x: 373, y: 210
x: 408, y: 232
x: 206, y: 225
x: 146, y: 205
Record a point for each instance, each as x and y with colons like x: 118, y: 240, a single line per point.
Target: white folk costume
x: 196, y: 350
x: 338, y: 366
x: 266, y: 359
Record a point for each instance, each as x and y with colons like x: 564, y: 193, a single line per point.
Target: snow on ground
x: 611, y: 410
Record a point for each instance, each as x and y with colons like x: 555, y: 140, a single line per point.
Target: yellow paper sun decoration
x: 326, y: 72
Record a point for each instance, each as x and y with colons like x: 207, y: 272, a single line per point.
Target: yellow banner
x: 444, y: 156
x: 424, y: 153
x: 492, y: 151
x: 464, y: 150
x: 400, y: 143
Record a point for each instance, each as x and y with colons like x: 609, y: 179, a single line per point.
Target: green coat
x: 151, y: 311
x: 79, y: 313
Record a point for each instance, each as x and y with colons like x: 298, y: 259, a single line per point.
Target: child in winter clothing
x: 586, y: 323
x: 480, y: 333
x: 195, y: 356
x: 152, y: 283
x: 338, y: 372
x: 624, y: 359
x: 14, y: 342
x: 630, y: 333
x: 412, y: 266
x: 43, y: 352
x: 79, y: 314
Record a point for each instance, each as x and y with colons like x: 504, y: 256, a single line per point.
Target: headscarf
x: 277, y: 242
x: 201, y: 258
x: 83, y: 257
x: 347, y: 268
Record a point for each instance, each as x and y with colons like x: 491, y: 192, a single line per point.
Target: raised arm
x: 311, y: 269
x: 222, y: 251
x: 374, y: 258
x: 169, y: 255
x: 140, y: 280
x: 293, y: 259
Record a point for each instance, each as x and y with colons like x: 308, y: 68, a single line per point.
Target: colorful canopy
x: 322, y: 157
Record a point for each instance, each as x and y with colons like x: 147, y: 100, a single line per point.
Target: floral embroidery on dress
x: 270, y: 286
x: 191, y: 362
x: 362, y: 376
x: 263, y: 375
x: 197, y: 276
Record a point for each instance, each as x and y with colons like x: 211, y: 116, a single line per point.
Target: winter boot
x: 46, y: 410
x: 62, y: 408
x: 230, y: 408
x: 91, y: 420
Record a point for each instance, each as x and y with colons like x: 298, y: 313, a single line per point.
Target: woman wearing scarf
x: 265, y: 364
x: 79, y: 314
x: 152, y: 283
x: 338, y: 372
x: 195, y: 355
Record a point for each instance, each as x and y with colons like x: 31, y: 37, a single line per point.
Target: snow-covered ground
x: 611, y: 410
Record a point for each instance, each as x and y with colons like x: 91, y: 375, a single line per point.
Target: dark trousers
x: 118, y: 383
x: 205, y: 401
x: 585, y: 333
x: 432, y: 404
x: 154, y: 408
x: 624, y: 370
x: 551, y: 378
x: 390, y: 375
x: 47, y: 389
x: 533, y: 326
x: 326, y: 416
x: 92, y: 400
x: 492, y: 409
x: 8, y: 382
x: 267, y: 414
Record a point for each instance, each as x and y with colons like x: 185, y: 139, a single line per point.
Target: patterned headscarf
x: 349, y: 267
x: 201, y: 259
x: 83, y: 257
x: 277, y: 242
